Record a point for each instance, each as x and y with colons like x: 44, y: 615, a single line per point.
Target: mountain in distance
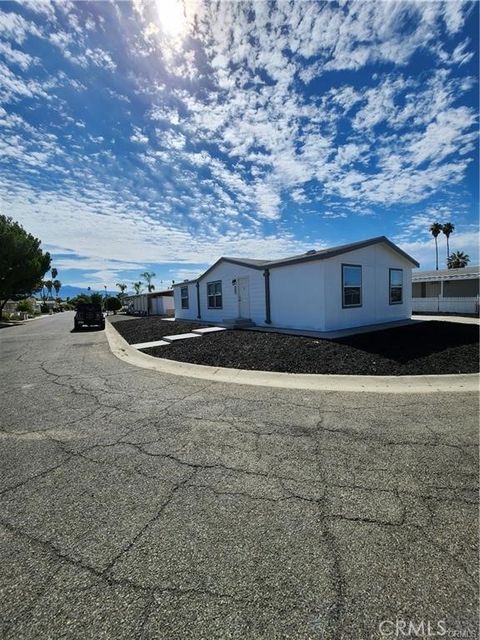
x: 67, y: 291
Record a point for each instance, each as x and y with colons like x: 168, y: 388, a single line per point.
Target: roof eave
x: 336, y: 251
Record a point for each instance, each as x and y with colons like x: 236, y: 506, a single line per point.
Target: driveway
x: 140, y: 505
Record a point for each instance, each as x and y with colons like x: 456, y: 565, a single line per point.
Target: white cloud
x: 461, y: 55
x: 17, y: 57
x: 13, y: 87
x: 16, y: 28
x: 268, y: 200
x: 42, y: 7
x: 454, y: 14
x: 445, y: 136
x: 106, y: 234
x: 228, y: 131
x: 424, y: 249
x: 138, y: 136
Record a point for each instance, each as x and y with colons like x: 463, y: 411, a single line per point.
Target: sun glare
x: 171, y: 17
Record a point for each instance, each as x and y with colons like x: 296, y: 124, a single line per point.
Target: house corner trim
x: 266, y: 274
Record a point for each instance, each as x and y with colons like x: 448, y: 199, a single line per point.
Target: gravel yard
x: 432, y: 347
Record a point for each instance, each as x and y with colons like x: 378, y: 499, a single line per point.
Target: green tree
x: 40, y: 290
x: 148, y: 276
x: 54, y: 273
x: 80, y: 299
x: 96, y: 298
x: 49, y: 287
x: 448, y: 228
x: 458, y: 260
x: 137, y: 286
x: 435, y: 230
x: 22, y: 262
x: 123, y: 287
x: 113, y: 304
x: 57, y: 285
x: 25, y: 306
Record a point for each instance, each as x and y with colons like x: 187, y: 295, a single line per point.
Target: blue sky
x: 160, y: 135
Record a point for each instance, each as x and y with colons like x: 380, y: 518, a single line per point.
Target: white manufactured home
x: 154, y: 303
x: 352, y: 285
x: 446, y: 291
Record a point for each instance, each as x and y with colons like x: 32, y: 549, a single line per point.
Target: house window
x: 351, y: 285
x: 396, y: 286
x: 214, y: 295
x: 184, y: 297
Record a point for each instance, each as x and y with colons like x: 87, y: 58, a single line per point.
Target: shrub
x: 25, y: 306
x: 113, y: 304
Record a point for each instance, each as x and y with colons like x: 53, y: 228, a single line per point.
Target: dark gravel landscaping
x: 151, y: 328
x: 431, y: 347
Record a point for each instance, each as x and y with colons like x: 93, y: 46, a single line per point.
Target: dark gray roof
x: 321, y: 254
x: 462, y: 273
x: 247, y: 261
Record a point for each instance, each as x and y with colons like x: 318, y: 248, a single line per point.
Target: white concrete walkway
x: 460, y: 319
x: 340, y: 333
x: 166, y: 340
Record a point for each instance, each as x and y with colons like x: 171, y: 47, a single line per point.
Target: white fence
x: 446, y: 305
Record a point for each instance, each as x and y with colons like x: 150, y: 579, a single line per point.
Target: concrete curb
x: 308, y: 381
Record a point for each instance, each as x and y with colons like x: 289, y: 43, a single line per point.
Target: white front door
x: 243, y: 294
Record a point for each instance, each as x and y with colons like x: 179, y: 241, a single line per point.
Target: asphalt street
x: 140, y: 505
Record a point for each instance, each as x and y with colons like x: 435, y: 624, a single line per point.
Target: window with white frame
x: 184, y: 297
x: 396, y: 286
x: 351, y: 285
x: 214, y: 294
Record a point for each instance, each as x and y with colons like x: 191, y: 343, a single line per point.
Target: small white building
x: 352, y: 285
x: 154, y: 303
x: 446, y: 291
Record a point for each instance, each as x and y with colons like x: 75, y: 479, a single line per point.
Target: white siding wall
x: 376, y: 262
x: 191, y: 312
x: 161, y: 305
x: 226, y: 272
x: 158, y: 305
x: 296, y: 296
x: 139, y: 302
x: 168, y: 304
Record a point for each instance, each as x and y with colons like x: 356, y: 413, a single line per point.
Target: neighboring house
x: 11, y: 306
x: 352, y: 285
x: 156, y: 303
x: 446, y: 291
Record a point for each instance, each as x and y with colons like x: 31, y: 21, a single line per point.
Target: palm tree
x: 435, y: 230
x: 123, y: 287
x: 41, y: 289
x: 138, y: 286
x: 458, y: 260
x: 448, y: 228
x: 49, y: 286
x: 148, y: 277
x: 57, y: 285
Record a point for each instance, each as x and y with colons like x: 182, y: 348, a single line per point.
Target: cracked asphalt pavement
x: 140, y: 505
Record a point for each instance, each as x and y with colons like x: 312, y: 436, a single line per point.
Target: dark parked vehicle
x: 89, y: 315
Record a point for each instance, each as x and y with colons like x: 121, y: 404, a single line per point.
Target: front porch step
x: 238, y: 323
